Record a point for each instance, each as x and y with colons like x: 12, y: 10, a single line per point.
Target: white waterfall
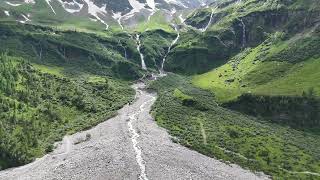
x: 170, y: 47
x: 210, y: 20
x: 143, y: 64
x: 244, y: 38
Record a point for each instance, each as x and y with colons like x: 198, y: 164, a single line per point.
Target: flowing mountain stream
x: 143, y: 64
x: 170, y: 47
x: 128, y: 146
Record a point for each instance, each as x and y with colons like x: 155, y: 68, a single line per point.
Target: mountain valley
x: 225, y: 82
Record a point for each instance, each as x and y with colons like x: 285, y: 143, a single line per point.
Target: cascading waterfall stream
x: 210, y: 20
x: 143, y: 64
x: 244, y: 38
x: 170, y: 47
x: 120, y: 24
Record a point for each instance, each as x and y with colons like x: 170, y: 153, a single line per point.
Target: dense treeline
x: 300, y: 112
x: 37, y: 108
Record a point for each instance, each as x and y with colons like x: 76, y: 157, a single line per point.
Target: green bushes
x: 98, y: 55
x: 300, y: 112
x: 38, y: 108
x: 280, y: 151
x: 301, y: 50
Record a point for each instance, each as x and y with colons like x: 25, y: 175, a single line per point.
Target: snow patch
x: 181, y: 19
x: 26, y: 19
x: 136, y: 7
x: 29, y: 1
x: 117, y: 16
x: 71, y: 7
x: 176, y: 2
x: 173, y: 11
x: 7, y: 13
x: 151, y: 4
x: 12, y: 4
x: 94, y: 20
x: 95, y: 11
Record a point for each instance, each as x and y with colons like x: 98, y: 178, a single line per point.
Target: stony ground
x: 128, y: 146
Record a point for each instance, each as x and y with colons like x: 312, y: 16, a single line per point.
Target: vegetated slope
x: 155, y: 45
x: 195, y: 120
x: 56, y: 82
x: 278, y: 66
x: 287, y: 69
x: 278, y: 57
x: 39, y: 105
x: 236, y: 25
x: 76, y: 51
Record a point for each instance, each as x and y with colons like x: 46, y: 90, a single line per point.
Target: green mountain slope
x: 40, y: 104
x: 76, y: 51
x: 235, y: 26
x: 195, y: 120
x: 253, y: 94
x: 276, y: 67
x: 57, y: 82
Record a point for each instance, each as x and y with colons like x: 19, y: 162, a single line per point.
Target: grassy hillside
x: 235, y: 26
x: 77, y: 51
x: 54, y: 82
x: 194, y: 120
x: 40, y: 104
x: 155, y: 45
x: 159, y: 20
x: 279, y: 66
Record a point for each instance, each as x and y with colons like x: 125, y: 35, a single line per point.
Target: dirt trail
x: 128, y: 146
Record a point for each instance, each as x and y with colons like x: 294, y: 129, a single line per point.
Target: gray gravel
x: 128, y: 146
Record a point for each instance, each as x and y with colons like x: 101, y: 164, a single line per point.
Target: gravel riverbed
x: 128, y: 146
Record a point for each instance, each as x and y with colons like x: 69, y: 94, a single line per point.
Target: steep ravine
x: 128, y: 146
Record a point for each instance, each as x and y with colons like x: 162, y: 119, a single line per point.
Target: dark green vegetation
x: 259, y: 57
x: 57, y: 82
x: 76, y: 51
x: 278, y: 66
x: 197, y: 53
x: 155, y: 46
x: 192, y: 116
x: 264, y: 61
x: 299, y: 112
x: 37, y: 108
